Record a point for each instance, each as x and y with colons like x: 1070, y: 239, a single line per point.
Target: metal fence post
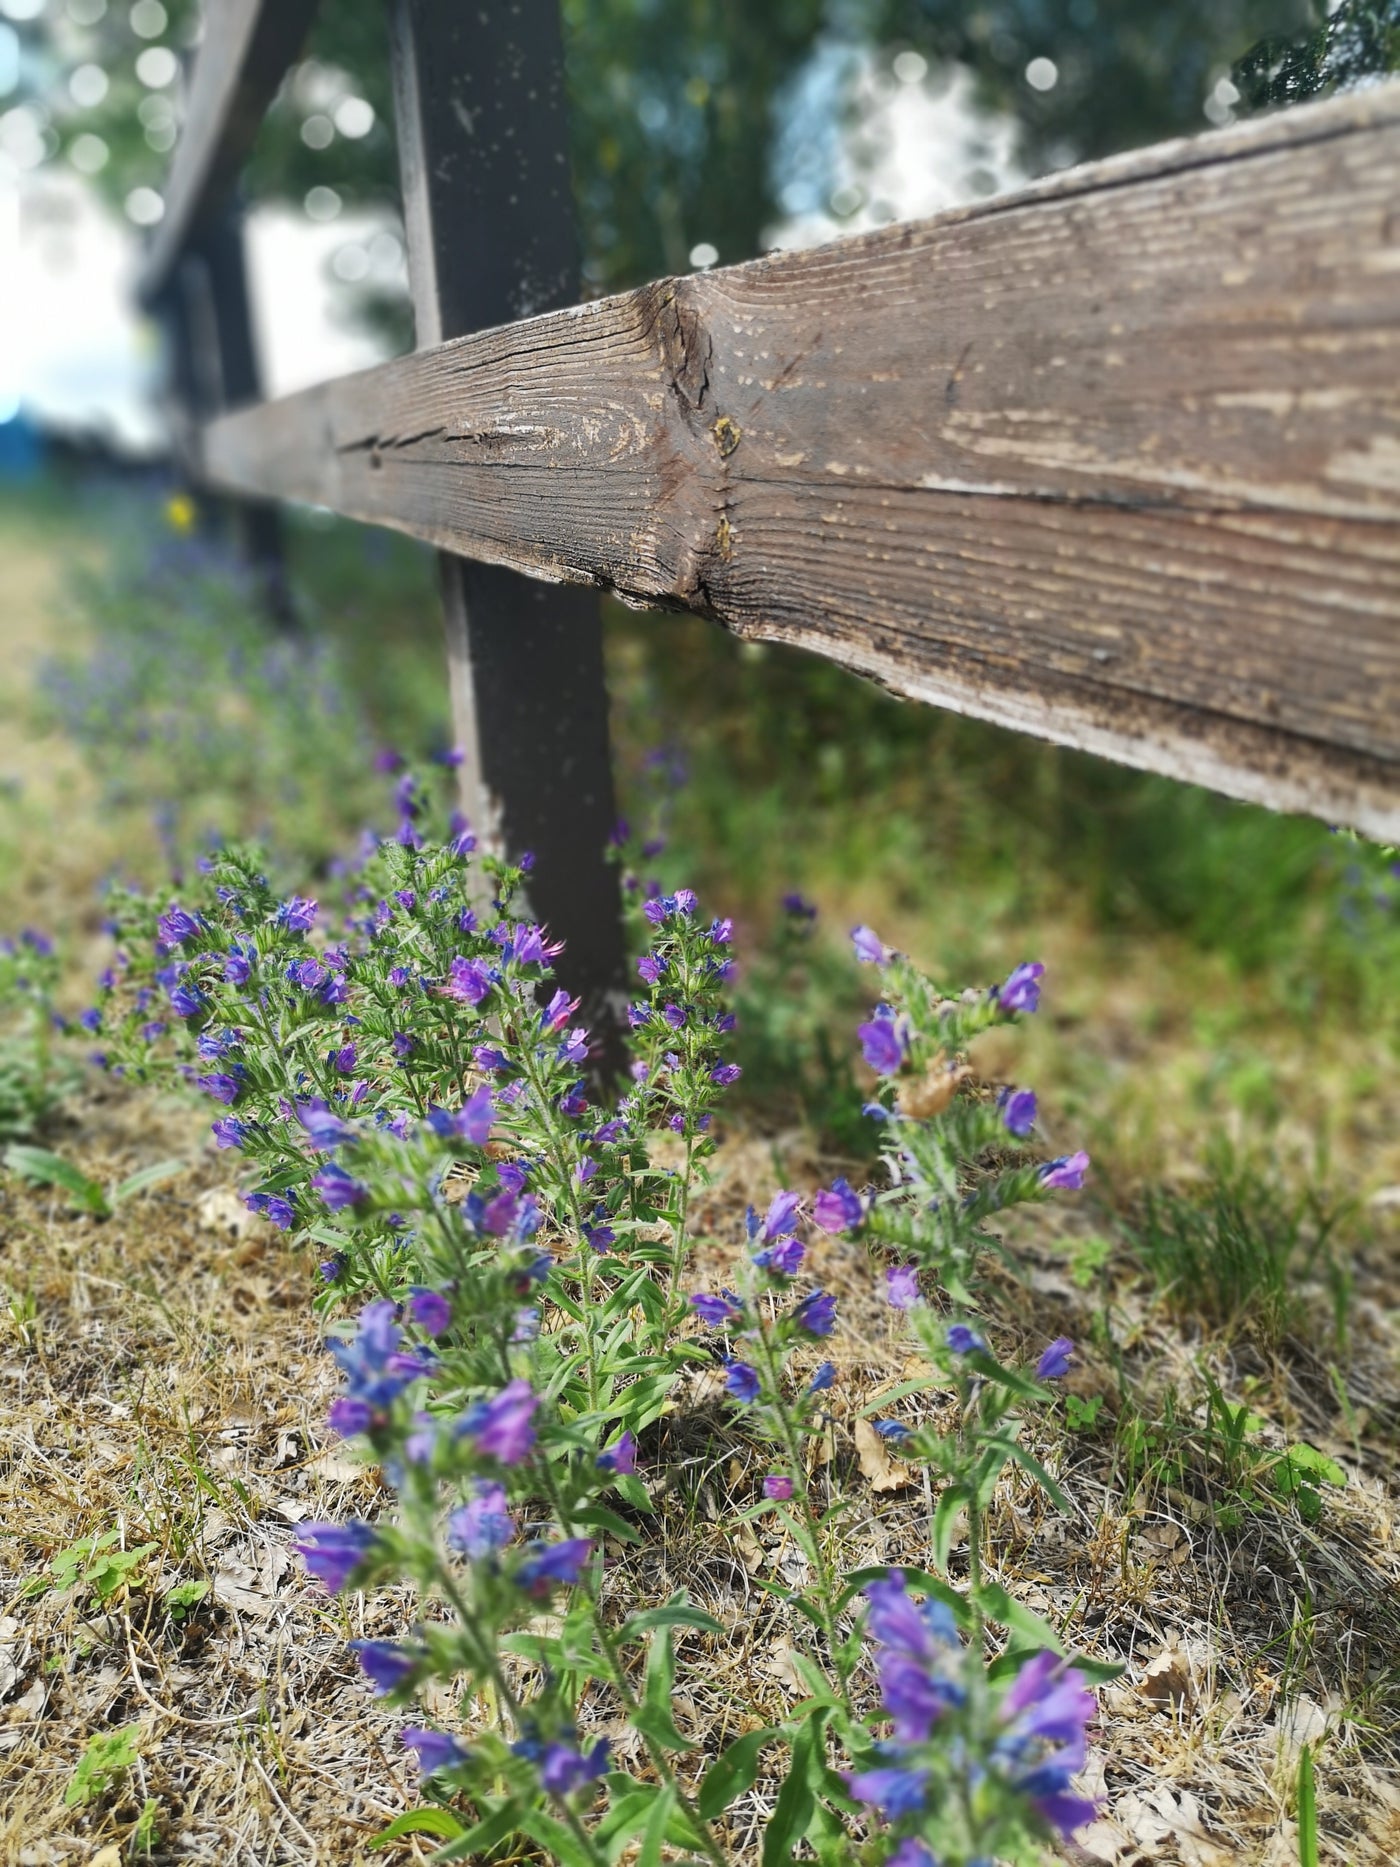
x: 488, y: 207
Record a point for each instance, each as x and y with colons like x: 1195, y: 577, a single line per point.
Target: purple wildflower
x: 347, y: 1417
x: 782, y: 1258
x: 726, y: 1074
x: 503, y: 1428
x: 824, y: 1378
x: 297, y: 915
x: 620, y: 1457
x: 651, y: 966
x: 239, y: 963
x: 1018, y: 1113
x: 468, y: 980
x: 883, y: 1043
x: 837, y: 1208
x: 276, y: 1207
x: 816, y: 1313
x: 564, y: 1768
x: 778, y: 1487
x: 1065, y: 1173
x: 483, y: 1525
x: 386, y: 1665
x: 1046, y: 1711
x: 1054, y: 1360
x: 430, y: 1310
x: 177, y: 925
x: 870, y: 948
x: 187, y: 1000
x: 558, y: 1011
x: 338, y: 1188
x: 741, y: 1382
x: 893, y: 1791
x: 471, y: 1122
x: 780, y: 1217
x: 229, y: 1131
x: 1021, y: 991
x: 323, y: 1126
x: 550, y: 1565
x: 962, y: 1340
x: 902, y: 1286
x: 333, y: 1551
x: 435, y: 1750
x: 342, y: 1061
x: 716, y: 1312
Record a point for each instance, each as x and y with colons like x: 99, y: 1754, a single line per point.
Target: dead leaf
x: 1301, y: 1721
x: 110, y: 1856
x: 750, y: 1550
x: 883, y: 1472
x: 1167, y: 1678
x: 933, y: 1091
x: 779, y: 1665
x: 336, y: 1468
x: 221, y: 1210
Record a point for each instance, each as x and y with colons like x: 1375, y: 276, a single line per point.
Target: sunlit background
x: 703, y: 133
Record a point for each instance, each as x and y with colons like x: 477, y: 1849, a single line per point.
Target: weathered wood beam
x: 244, y: 55
x: 1114, y: 460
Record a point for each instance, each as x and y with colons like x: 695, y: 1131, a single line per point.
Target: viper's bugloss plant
x: 503, y: 1248
x: 35, y: 1073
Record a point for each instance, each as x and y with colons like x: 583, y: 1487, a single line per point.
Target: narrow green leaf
x: 655, y: 1835
x: 1031, y: 1464
x: 1307, y: 1811
x: 440, y: 1822
x: 998, y: 1605
x: 675, y: 1614
x: 471, y: 1845
x: 46, y: 1169
x: 559, y: 1842
x: 796, y: 1803
x: 147, y: 1177
x: 732, y: 1772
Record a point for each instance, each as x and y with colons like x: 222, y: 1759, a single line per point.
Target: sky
x: 78, y: 357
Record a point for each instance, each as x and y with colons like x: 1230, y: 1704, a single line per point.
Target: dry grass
x: 160, y: 1376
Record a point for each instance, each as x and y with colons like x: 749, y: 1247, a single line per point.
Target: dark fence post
x: 488, y: 206
x: 208, y: 316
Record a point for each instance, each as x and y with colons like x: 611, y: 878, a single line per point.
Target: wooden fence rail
x: 1114, y: 460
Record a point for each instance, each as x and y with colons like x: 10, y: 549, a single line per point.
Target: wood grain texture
x: 242, y: 58
x: 1115, y: 460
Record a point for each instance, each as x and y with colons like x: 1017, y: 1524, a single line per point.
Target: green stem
x: 810, y: 1527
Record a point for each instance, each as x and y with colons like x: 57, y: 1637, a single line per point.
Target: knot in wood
x: 728, y: 435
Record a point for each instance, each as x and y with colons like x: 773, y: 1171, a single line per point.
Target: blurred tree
x: 1360, y: 40
x: 677, y: 104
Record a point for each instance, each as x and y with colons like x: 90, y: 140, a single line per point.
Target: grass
x: 1239, y: 1252
x: 1219, y: 1018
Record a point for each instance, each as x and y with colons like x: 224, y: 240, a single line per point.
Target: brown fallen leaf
x: 1167, y: 1678
x: 876, y: 1465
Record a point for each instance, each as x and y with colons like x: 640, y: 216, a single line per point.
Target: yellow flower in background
x: 180, y: 513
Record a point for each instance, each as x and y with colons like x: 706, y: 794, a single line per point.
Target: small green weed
x: 1216, y: 1453
x: 1236, y: 1254
x: 1082, y: 1415
x: 42, y: 1168
x: 35, y: 1077
x: 95, y: 1563
x: 109, y: 1755
x: 184, y: 1598
x: 144, y: 1836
